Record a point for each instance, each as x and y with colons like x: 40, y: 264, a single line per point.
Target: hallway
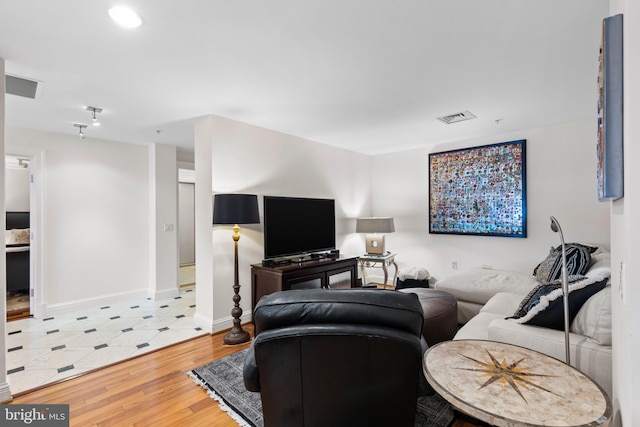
x: 42, y: 351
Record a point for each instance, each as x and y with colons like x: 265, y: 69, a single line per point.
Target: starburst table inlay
x: 506, y: 373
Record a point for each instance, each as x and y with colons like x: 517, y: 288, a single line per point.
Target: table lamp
x: 236, y: 209
x: 555, y: 227
x: 374, y: 227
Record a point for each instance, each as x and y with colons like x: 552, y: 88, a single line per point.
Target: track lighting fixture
x: 82, y: 127
x: 23, y: 162
x: 95, y: 110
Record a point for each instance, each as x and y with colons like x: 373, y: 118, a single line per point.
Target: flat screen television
x: 297, y: 225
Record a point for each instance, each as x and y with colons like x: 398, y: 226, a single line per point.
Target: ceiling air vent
x: 20, y: 86
x: 458, y: 117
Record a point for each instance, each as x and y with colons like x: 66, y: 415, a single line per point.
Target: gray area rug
x: 223, y: 381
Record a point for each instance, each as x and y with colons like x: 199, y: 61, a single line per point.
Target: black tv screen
x: 296, y: 225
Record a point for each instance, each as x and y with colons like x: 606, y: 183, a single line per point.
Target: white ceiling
x: 366, y: 75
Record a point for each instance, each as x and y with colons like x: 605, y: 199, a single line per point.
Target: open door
x: 18, y: 236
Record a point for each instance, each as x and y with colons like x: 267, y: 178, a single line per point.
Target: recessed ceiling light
x: 125, y: 17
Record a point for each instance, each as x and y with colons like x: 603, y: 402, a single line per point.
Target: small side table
x: 507, y: 385
x: 382, y: 261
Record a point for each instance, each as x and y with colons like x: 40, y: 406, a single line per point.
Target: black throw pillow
x: 578, y: 261
x: 543, y: 306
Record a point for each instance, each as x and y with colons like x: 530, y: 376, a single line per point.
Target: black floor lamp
x: 236, y: 209
x: 555, y: 227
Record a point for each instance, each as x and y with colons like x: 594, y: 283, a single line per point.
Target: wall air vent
x: 20, y: 86
x: 458, y: 117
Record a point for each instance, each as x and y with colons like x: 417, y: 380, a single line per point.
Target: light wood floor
x: 150, y: 390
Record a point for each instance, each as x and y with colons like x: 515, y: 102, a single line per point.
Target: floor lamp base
x: 237, y: 336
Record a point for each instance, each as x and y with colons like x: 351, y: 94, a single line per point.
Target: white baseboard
x: 87, y: 303
x: 217, y: 325
x: 5, y: 393
x: 165, y: 293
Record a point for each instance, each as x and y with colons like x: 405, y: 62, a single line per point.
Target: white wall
x: 204, y: 316
x: 17, y: 189
x: 560, y: 181
x: 625, y: 234
x: 163, y: 221
x: 95, y: 223
x: 186, y: 223
x: 250, y: 159
x: 5, y: 393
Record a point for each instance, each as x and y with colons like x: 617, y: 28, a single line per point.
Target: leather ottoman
x: 440, y: 310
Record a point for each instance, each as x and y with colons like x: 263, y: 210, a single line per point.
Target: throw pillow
x: 578, y: 260
x: 17, y: 236
x: 591, y: 249
x: 543, y: 306
x: 533, y: 297
x: 599, y: 263
x: 594, y: 318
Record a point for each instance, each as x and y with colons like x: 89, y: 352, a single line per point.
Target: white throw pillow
x: 502, y: 303
x: 17, y: 236
x: 594, y: 318
x: 600, y: 262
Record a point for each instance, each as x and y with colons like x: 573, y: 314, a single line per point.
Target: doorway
x: 186, y: 227
x: 18, y: 236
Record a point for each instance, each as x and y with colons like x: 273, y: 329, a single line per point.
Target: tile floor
x: 41, y: 351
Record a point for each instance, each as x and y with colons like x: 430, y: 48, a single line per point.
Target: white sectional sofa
x: 474, y: 287
x: 486, y: 298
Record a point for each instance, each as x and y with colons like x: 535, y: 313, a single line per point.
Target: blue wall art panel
x: 610, y: 166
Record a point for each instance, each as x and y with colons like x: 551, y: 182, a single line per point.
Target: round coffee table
x: 508, y: 385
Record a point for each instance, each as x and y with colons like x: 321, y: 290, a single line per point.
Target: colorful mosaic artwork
x: 479, y: 190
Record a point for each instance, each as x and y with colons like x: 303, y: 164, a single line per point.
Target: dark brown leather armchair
x: 336, y: 357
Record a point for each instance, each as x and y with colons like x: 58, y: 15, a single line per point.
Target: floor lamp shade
x: 235, y: 209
